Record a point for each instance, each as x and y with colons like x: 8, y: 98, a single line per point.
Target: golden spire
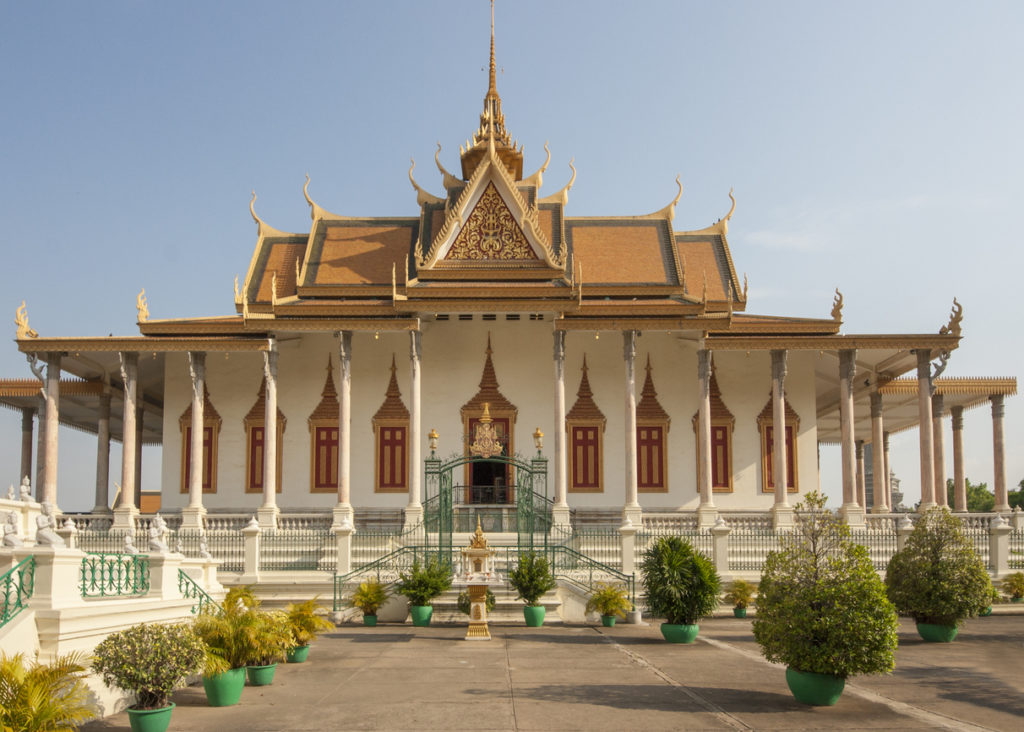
x: 492, y: 90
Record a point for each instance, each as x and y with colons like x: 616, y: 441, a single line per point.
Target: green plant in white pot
x: 822, y: 609
x: 937, y: 578
x: 150, y: 660
x: 532, y: 579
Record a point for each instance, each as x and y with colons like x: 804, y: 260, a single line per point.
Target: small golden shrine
x: 477, y: 573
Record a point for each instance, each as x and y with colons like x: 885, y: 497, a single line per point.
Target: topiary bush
x: 821, y: 607
x: 1013, y: 585
x: 680, y: 583
x: 150, y: 660
x: 938, y: 578
x: 423, y: 583
x: 532, y: 578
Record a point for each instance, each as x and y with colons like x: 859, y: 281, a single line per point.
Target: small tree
x: 979, y: 497
x: 680, y: 583
x: 821, y: 607
x: 1013, y: 585
x: 532, y: 578
x: 938, y: 578
x: 425, y: 582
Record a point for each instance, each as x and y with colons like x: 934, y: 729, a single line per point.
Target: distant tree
x: 979, y: 497
x: 1016, y: 498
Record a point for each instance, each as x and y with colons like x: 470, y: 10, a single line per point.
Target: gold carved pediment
x: 491, y: 233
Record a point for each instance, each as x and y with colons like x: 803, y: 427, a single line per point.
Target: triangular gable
x: 489, y: 226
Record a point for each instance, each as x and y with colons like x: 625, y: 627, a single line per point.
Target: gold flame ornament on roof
x: 21, y: 321
x: 485, y: 441
x: 479, y: 541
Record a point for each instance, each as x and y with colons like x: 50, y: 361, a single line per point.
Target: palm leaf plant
x: 680, y: 583
x: 43, y: 696
x: 610, y: 601
x: 369, y: 597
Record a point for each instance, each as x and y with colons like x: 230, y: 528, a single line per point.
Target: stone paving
x: 574, y: 677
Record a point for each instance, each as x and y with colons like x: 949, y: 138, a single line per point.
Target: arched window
x: 766, y: 432
x: 722, y: 424
x: 255, y: 440
x: 391, y: 437
x: 652, y: 425
x: 323, y: 439
x: 585, y: 424
x: 211, y: 432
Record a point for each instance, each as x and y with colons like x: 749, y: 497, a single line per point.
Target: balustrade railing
x: 669, y: 523
x: 880, y: 541
x: 601, y: 545
x: 702, y: 541
x: 297, y: 550
x: 748, y: 548
x: 1016, y: 556
x: 114, y: 575
x: 191, y: 590
x: 17, y: 585
x: 978, y: 533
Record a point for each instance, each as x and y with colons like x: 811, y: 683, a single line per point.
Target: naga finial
x: 252, y: 209
x: 238, y: 297
x: 21, y: 320
x: 745, y: 287
x: 422, y: 196
x: 837, y: 307
x: 142, y: 306
x: 725, y: 221
x: 956, y: 315
x: 305, y: 192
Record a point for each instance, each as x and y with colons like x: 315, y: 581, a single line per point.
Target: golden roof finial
x: 479, y: 541
x: 955, y: 318
x: 142, y: 306
x: 492, y: 90
x: 837, y: 307
x: 21, y: 320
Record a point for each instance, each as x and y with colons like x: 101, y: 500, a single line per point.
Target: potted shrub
x: 681, y: 586
x: 43, y: 696
x: 268, y: 639
x: 464, y: 604
x: 994, y: 597
x: 740, y: 596
x: 224, y: 662
x: 937, y: 578
x: 1013, y: 585
x: 369, y: 597
x: 421, y: 585
x: 822, y: 609
x: 305, y: 622
x: 150, y: 661
x: 610, y: 601
x: 532, y: 579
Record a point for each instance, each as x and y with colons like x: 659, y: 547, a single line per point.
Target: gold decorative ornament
x: 142, y: 306
x: 538, y: 440
x: 955, y: 317
x: 433, y: 437
x: 491, y: 232
x: 21, y: 320
x: 485, y: 441
x: 837, y: 307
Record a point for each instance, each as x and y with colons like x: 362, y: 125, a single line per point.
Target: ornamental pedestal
x: 476, y: 573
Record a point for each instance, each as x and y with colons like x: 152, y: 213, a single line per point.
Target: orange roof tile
x: 699, y: 257
x: 279, y: 257
x: 360, y: 253
x: 622, y: 251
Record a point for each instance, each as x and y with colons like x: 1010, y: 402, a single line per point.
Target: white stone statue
x: 129, y: 544
x: 10, y: 492
x: 46, y: 525
x: 204, y: 550
x: 179, y: 548
x: 12, y: 529
x: 157, y: 530
x: 26, y: 489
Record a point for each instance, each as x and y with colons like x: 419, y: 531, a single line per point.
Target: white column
x: 938, y: 451
x: 344, y: 507
x: 959, y: 480
x: 999, y: 454
x: 125, y: 511
x: 878, y: 457
x: 26, y: 443
x: 138, y: 453
x: 631, y: 510
x: 924, y: 410
x: 40, y: 442
x: 414, y: 511
x: 192, y: 515
x: 560, y: 511
x: 267, y: 513
x: 707, y: 514
x: 103, y: 454
x: 780, y: 471
x: 49, y: 492
x: 888, y: 472
x: 862, y: 492
x: 850, y: 510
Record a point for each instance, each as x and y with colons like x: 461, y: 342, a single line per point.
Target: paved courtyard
x: 565, y: 677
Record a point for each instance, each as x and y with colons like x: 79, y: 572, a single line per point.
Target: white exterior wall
x: 453, y: 359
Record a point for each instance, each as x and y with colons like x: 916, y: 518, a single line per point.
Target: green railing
x: 578, y: 569
x: 17, y: 584
x: 114, y: 575
x: 191, y: 590
x: 386, y: 569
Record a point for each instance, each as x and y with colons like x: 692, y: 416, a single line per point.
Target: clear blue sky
x: 874, y: 146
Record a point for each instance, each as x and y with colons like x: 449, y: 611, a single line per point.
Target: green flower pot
x: 1017, y: 599
x: 937, y: 633
x: 260, y: 675
x: 608, y: 621
x: 224, y: 690
x: 150, y: 720
x: 421, y: 615
x: 679, y: 633
x: 817, y: 690
x: 986, y: 612
x: 534, y: 615
x: 739, y: 612
x: 299, y: 654
x: 370, y: 620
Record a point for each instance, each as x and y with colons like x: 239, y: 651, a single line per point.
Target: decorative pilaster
x: 938, y: 451
x: 268, y: 512
x: 924, y: 410
x: 631, y: 510
x: 125, y: 511
x: 560, y: 510
x: 193, y: 514
x: 344, y: 508
x: 103, y: 455
x: 414, y: 511
x: 879, y: 459
x: 27, y: 414
x: 706, y: 513
x: 49, y: 491
x: 999, y: 454
x: 959, y: 480
x: 851, y: 510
